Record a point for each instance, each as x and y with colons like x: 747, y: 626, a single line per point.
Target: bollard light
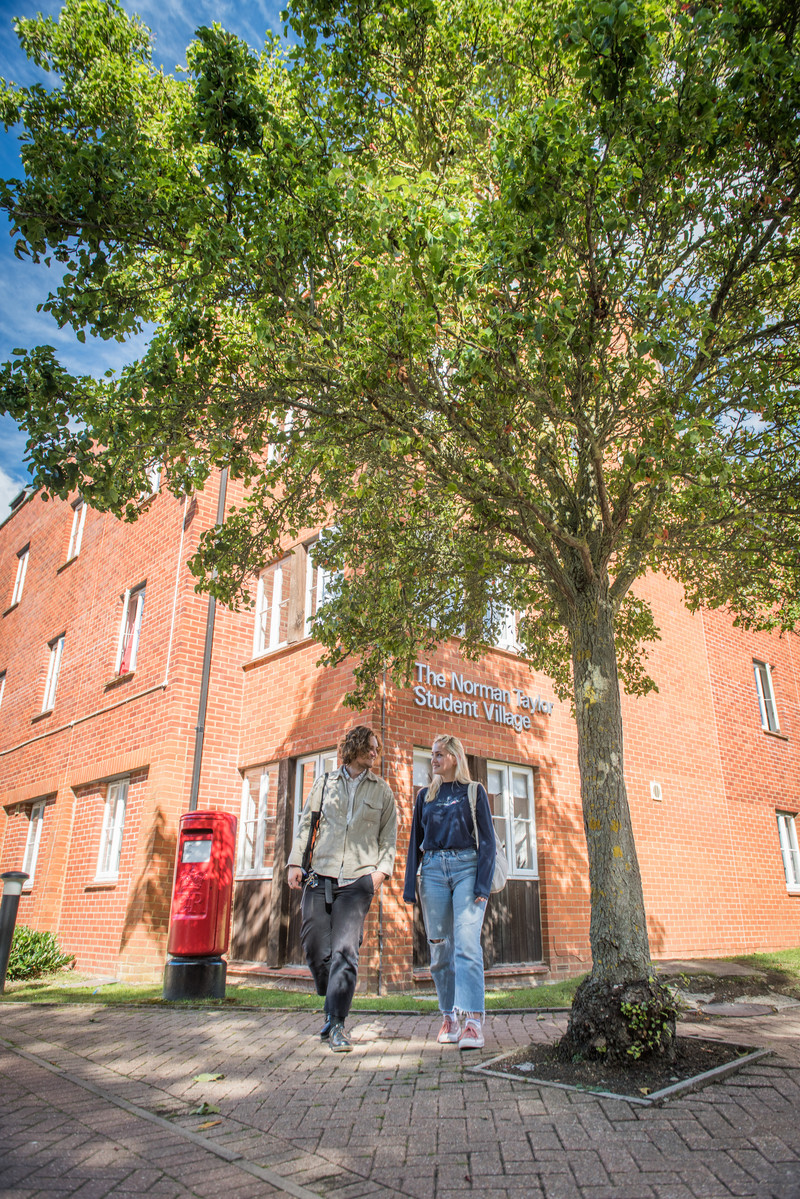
x: 9, y: 905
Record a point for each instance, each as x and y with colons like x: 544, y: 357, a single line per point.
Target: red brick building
x: 101, y: 658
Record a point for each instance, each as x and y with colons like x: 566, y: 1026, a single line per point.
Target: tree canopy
x: 512, y: 288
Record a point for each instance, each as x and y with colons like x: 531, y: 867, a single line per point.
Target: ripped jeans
x: 453, y: 922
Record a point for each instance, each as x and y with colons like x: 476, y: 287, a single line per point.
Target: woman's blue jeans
x: 453, y: 922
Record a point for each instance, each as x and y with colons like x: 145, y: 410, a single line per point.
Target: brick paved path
x: 99, y: 1102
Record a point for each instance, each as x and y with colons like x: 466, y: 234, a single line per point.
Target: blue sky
x: 23, y: 285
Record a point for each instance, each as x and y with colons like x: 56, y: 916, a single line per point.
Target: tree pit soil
x: 637, y: 1079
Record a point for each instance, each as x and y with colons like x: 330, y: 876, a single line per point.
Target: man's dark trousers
x: 331, y: 934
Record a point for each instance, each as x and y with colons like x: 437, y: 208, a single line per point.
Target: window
x: 19, y: 581
x: 272, y: 608
x: 56, y: 649
x: 153, y: 476
x: 308, y: 769
x: 275, y: 451
x: 130, y: 627
x: 787, y: 832
x: 318, y: 581
x: 35, y: 822
x: 766, y: 697
x: 504, y: 619
x: 111, y: 834
x: 2, y: 687
x: 421, y: 775
x: 76, y: 536
x: 257, y: 825
x: 510, y: 791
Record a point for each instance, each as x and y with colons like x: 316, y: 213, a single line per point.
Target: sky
x: 24, y: 285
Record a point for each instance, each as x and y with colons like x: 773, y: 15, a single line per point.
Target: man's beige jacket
x: 351, y: 850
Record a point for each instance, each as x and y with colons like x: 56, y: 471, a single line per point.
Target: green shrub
x: 34, y: 953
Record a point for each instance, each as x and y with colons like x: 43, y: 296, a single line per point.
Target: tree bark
x: 620, y: 1011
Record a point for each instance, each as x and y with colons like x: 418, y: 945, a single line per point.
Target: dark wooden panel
x: 282, y: 898
x: 251, y: 911
x: 512, y: 930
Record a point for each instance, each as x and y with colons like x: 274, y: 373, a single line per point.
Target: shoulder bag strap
x: 472, y: 792
x: 313, y: 827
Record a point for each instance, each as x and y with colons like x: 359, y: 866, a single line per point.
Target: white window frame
x: 326, y: 759
x: 134, y: 595
x: 790, y: 851
x: 315, y: 588
x: 267, y: 630
x: 153, y: 473
x: 505, y: 821
x: 253, y: 824
x: 76, y: 535
x: 56, y: 648
x: 112, y: 831
x: 420, y: 770
x: 766, y: 697
x: 2, y: 686
x: 507, y: 637
x: 36, y: 820
x: 22, y: 569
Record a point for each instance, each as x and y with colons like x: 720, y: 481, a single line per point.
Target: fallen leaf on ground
x: 207, y: 1077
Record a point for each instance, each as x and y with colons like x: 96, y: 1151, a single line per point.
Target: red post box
x: 199, y: 926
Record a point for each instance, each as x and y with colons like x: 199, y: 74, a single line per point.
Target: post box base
x: 195, y: 978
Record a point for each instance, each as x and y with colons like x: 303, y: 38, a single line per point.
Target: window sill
x: 118, y: 679
x: 11, y: 608
x: 68, y: 562
x: 286, y: 648
x: 102, y: 884
x: 41, y: 715
x: 773, y: 733
x: 254, y: 876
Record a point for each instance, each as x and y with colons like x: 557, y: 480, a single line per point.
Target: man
x: 353, y: 856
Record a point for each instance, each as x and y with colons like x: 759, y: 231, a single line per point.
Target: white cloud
x: 9, y: 488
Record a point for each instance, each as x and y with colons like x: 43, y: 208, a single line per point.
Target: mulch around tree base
x: 694, y: 1056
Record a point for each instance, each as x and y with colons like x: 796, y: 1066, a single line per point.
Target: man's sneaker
x: 449, y: 1032
x: 471, y: 1037
x: 325, y: 1031
x: 338, y: 1038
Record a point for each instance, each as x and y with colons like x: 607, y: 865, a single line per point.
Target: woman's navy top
x: 446, y: 823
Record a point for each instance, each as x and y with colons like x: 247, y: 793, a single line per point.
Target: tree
x: 525, y: 278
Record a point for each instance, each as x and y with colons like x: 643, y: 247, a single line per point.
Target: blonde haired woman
x: 454, y: 883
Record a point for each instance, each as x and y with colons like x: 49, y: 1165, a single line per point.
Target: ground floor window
x: 421, y: 775
x: 112, y: 830
x: 787, y: 832
x: 257, y: 825
x: 510, y: 791
x: 35, y: 823
x: 309, y: 768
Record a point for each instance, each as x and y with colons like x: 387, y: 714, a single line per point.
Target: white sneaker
x: 471, y: 1037
x: 449, y: 1032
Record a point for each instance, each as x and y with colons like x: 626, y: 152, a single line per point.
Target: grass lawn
x: 785, y: 961
x: 65, y: 987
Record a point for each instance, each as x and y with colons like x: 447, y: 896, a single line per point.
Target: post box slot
x: 196, y: 849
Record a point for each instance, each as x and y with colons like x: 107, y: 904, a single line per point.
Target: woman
x: 454, y: 884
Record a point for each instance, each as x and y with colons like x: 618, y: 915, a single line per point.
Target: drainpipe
x: 200, y: 730
x: 380, y: 893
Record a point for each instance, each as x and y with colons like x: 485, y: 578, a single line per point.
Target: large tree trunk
x: 619, y: 1012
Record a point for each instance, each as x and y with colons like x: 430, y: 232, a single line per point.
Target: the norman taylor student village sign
x: 495, y: 702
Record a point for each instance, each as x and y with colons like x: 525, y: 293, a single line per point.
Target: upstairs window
x: 56, y: 648
x: 130, y: 628
x: 766, y: 697
x: 510, y: 790
x: 2, y: 687
x: 318, y: 581
x: 76, y: 535
x: 112, y: 830
x: 153, y: 480
x: 22, y: 568
x: 787, y: 833
x: 272, y: 608
x: 35, y: 823
x: 503, y: 619
x: 257, y: 828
